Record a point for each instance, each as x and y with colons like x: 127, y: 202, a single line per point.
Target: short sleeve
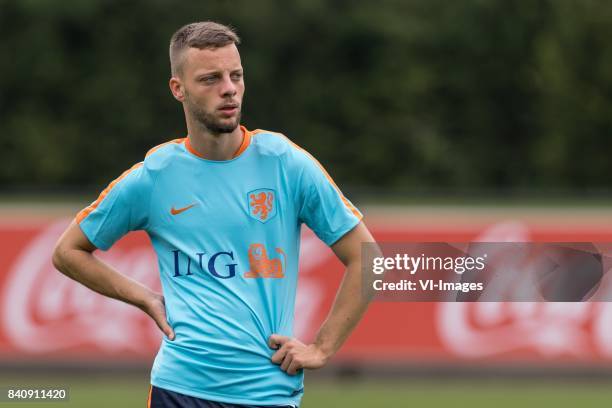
x: 323, y: 207
x: 120, y: 208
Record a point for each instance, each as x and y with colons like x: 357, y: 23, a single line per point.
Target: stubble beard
x: 210, y: 122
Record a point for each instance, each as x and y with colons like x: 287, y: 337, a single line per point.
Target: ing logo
x: 262, y: 204
x: 260, y: 266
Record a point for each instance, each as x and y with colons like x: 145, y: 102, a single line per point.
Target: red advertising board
x: 46, y: 317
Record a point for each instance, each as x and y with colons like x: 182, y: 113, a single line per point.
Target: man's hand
x: 155, y: 307
x: 293, y: 355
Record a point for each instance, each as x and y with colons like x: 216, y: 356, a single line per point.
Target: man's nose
x: 228, y: 87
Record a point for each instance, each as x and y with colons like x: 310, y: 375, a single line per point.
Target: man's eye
x: 236, y: 76
x: 208, y: 80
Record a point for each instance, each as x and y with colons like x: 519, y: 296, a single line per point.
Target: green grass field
x: 122, y: 391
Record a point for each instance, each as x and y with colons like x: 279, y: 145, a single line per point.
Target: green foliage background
x: 392, y: 94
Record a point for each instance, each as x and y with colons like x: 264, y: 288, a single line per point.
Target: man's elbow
x: 56, y: 258
x: 60, y: 256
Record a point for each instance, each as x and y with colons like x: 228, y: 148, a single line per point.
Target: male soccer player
x: 223, y: 208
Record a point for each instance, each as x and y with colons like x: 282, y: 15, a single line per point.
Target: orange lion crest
x: 260, y: 266
x: 262, y: 204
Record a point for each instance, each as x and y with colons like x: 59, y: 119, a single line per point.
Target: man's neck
x: 211, y: 146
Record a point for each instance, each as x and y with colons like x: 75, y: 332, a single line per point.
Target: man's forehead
x: 212, y: 59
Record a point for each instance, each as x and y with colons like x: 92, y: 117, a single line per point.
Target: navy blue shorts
x: 161, y: 398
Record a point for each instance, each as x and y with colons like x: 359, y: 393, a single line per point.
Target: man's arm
x: 73, y: 256
x: 347, y: 310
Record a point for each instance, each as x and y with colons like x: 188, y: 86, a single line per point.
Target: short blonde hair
x: 201, y: 35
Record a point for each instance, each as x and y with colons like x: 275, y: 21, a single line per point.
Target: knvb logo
x: 222, y: 264
x: 262, y: 204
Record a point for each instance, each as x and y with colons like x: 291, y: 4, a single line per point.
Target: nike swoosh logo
x: 175, y: 211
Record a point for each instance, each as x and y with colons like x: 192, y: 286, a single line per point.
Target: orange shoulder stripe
x: 87, y: 210
x: 346, y: 202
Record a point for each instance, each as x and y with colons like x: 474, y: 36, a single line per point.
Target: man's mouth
x: 229, y: 109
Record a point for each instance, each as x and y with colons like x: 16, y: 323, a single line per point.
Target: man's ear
x: 176, y: 87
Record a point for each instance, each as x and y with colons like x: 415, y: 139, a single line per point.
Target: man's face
x: 213, y: 86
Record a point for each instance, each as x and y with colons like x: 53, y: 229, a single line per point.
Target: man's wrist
x: 144, y: 299
x: 325, y: 349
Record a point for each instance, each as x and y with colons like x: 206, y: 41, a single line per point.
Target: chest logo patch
x: 262, y: 204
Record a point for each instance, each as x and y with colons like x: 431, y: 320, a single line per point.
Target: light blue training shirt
x: 227, y: 238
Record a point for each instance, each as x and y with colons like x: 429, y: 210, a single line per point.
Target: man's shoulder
x: 159, y: 156
x: 271, y: 143
x: 292, y: 155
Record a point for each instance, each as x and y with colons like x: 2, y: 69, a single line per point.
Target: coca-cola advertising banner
x: 46, y: 317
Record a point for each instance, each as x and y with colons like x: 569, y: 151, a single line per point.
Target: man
x: 223, y: 208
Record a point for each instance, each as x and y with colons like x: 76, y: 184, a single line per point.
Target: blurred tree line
x: 393, y: 94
